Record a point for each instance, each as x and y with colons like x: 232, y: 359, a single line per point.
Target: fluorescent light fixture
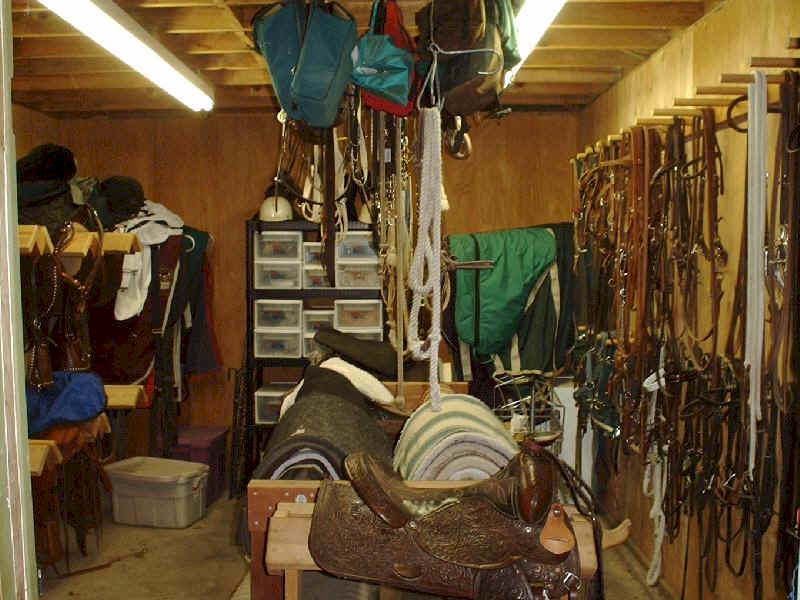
x: 532, y: 21
x: 111, y: 27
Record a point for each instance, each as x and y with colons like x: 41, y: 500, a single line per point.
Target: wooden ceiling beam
x: 108, y: 64
x: 68, y: 47
x: 555, y: 57
x: 236, y: 62
x: 86, y: 81
x: 604, y: 39
x: 64, y: 66
x: 656, y: 15
x: 565, y: 76
x: 559, y: 89
x: 126, y: 100
x: 82, y: 47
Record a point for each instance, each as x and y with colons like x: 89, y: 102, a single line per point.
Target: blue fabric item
x: 73, y: 397
x: 381, y: 67
x: 278, y: 36
x: 795, y: 585
x: 324, y: 66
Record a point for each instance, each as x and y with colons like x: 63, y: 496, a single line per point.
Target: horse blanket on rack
x: 538, y: 333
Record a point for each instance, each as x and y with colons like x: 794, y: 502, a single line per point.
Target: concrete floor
x: 201, y: 562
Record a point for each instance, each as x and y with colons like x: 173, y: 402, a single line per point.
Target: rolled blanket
x: 463, y: 441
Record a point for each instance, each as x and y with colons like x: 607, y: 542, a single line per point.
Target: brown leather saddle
x: 499, y: 539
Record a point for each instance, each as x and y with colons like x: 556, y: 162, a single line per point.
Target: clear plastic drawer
x: 278, y: 245
x: 355, y: 245
x: 308, y: 345
x: 314, y: 320
x: 268, y: 402
x: 285, y: 314
x: 277, y: 275
x: 358, y: 314
x: 277, y: 344
x: 361, y: 274
x: 374, y: 335
x: 312, y: 254
x: 314, y: 277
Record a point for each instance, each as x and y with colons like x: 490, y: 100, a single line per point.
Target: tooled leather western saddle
x: 502, y: 538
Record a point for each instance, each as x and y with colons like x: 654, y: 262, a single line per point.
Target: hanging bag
x: 381, y: 65
x: 324, y: 66
x: 278, y: 34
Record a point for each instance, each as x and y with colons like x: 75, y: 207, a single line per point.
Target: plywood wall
x: 723, y: 41
x: 212, y: 171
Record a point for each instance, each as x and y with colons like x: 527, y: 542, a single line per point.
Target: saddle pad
x: 329, y: 420
x: 464, y: 430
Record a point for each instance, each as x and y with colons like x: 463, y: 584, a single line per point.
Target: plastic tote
x: 158, y: 492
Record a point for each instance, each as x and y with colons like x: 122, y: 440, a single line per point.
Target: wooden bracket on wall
x: 702, y: 101
x: 794, y: 43
x: 677, y: 112
x: 720, y: 90
x: 774, y: 62
x: 747, y: 78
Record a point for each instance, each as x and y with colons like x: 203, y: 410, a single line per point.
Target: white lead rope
x: 655, y: 476
x: 427, y: 254
x: 756, y: 269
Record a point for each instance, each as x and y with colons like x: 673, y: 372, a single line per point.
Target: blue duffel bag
x: 324, y: 67
x: 278, y: 33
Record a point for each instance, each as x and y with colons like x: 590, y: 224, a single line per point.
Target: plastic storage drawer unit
x: 358, y: 314
x: 312, y: 254
x: 278, y: 245
x: 284, y: 314
x: 358, y: 274
x: 205, y: 445
x: 356, y: 245
x: 276, y: 343
x: 158, y: 492
x: 277, y: 275
x: 314, y: 277
x: 308, y: 345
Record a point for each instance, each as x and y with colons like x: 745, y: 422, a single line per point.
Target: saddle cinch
x: 503, y: 538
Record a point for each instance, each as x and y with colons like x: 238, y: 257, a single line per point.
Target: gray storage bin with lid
x: 158, y: 492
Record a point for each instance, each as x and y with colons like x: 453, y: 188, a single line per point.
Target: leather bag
x: 457, y: 25
x: 473, y: 82
x: 324, y: 67
x: 278, y: 33
x: 381, y: 65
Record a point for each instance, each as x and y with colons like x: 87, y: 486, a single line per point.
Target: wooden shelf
x: 124, y: 397
x: 41, y: 454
